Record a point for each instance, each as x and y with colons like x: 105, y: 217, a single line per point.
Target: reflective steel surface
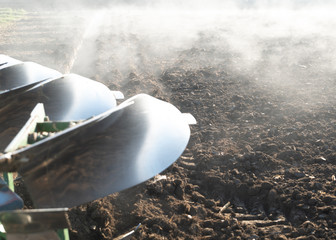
x: 6, y: 61
x: 34, y: 220
x: 111, y: 152
x: 23, y: 74
x: 71, y: 97
x: 8, y: 199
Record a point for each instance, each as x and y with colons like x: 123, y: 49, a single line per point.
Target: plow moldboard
x: 22, y: 74
x: 106, y: 154
x: 71, y: 97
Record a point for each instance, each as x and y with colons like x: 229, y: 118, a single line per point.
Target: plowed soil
x: 261, y: 161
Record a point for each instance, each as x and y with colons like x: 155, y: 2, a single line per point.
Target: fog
x: 246, y: 28
x: 285, y: 41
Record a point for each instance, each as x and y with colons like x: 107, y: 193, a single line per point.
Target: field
x: 261, y: 161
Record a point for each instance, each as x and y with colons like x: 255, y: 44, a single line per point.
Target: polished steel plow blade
x: 69, y: 98
x: 108, y: 153
x: 24, y: 74
x: 6, y: 61
x: 8, y: 199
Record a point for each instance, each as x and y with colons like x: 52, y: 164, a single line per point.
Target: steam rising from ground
x: 248, y: 32
x: 284, y: 41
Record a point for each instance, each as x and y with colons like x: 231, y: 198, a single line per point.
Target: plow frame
x: 37, y: 122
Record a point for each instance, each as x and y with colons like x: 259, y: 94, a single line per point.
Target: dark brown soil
x: 261, y: 161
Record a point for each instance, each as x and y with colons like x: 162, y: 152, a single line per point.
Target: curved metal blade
x: 111, y: 152
x: 6, y: 61
x: 34, y: 220
x: 69, y: 98
x: 8, y: 199
x: 23, y: 74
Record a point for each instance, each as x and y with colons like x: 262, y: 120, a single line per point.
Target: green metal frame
x: 2, y: 236
x: 63, y: 234
x: 52, y: 126
x: 9, y: 179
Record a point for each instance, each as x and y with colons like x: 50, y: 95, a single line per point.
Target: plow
x: 72, y: 140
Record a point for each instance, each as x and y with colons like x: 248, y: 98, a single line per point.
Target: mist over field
x: 283, y: 42
x: 272, y: 33
x: 244, y: 4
